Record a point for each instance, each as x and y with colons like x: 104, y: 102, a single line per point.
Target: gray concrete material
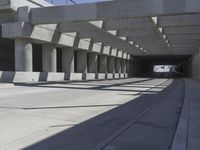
x: 111, y: 64
x: 121, y: 75
x: 81, y: 61
x: 40, y: 33
x: 92, y: 62
x: 75, y: 76
x: 126, y: 75
x: 13, y: 5
x: 23, y: 55
x: 30, y: 77
x: 101, y: 76
x: 49, y: 58
x: 94, y: 32
x: 106, y: 37
x: 118, y: 68
x: 195, y: 65
x: 116, y: 76
x: 75, y: 27
x: 194, y: 123
x: 110, y: 76
x: 154, y: 129
x: 179, y: 20
x: 102, y: 59
x: 127, y: 23
x: 50, y: 115
x: 187, y: 134
x: 182, y: 30
x: 138, y: 31
x: 90, y: 76
x: 32, y: 4
x: 68, y: 60
x: 127, y: 66
x: 107, y: 10
x: 123, y: 64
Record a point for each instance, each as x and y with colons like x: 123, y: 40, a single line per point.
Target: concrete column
x: 127, y: 66
x: 103, y: 64
x: 92, y: 62
x: 111, y: 64
x: 123, y: 65
x: 49, y: 59
x: 68, y: 60
x: 117, y: 65
x: 23, y: 55
x: 81, y: 61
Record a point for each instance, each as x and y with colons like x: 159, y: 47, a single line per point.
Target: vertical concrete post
x: 123, y: 65
x: 127, y: 66
x: 49, y: 58
x: 103, y: 64
x: 81, y: 61
x: 111, y: 64
x: 23, y: 55
x: 92, y: 62
x: 117, y: 65
x: 68, y: 60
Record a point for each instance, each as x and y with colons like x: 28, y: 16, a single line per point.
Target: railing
x: 64, y: 1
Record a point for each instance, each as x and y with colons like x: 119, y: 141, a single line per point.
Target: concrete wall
x: 190, y: 67
x: 196, y: 65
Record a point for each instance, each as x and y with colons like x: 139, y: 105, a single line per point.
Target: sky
x: 60, y: 2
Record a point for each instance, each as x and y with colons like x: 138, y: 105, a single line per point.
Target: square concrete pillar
x: 49, y: 58
x: 123, y: 66
x: 127, y: 66
x: 92, y: 62
x: 81, y: 61
x: 117, y: 65
x: 111, y: 64
x: 23, y: 55
x: 103, y: 64
x: 68, y: 60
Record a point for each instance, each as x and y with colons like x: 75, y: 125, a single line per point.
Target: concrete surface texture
x: 135, y: 39
x: 139, y: 113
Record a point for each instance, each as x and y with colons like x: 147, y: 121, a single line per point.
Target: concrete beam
x: 187, y: 36
x: 112, y: 10
x: 179, y: 20
x: 137, y: 32
x: 38, y: 33
x: 182, y: 30
x: 127, y: 23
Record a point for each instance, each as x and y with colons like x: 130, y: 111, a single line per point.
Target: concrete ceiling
x: 174, y: 30
x: 163, y: 59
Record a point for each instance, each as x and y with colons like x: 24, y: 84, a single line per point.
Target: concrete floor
x: 88, y: 115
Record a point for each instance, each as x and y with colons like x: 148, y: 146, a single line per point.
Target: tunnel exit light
x: 163, y: 68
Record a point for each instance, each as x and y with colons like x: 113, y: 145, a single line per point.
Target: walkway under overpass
x: 111, y: 48
x: 112, y: 39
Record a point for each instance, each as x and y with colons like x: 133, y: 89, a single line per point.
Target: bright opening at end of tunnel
x: 163, y: 68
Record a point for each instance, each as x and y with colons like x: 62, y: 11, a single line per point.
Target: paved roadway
x: 110, y: 115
